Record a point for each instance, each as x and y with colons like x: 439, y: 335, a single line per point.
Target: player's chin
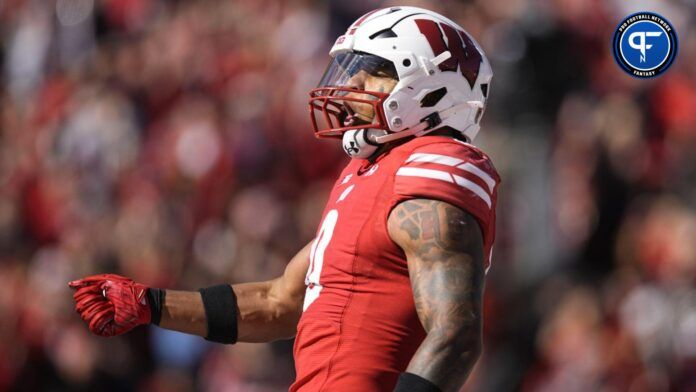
x: 350, y: 118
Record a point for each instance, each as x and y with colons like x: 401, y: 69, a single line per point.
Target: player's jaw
x: 361, y: 113
x: 350, y: 117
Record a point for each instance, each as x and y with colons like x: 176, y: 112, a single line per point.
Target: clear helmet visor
x: 349, y: 70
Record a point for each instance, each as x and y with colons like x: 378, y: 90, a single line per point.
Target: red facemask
x: 329, y: 103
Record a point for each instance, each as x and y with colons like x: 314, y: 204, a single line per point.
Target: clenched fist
x: 111, y: 304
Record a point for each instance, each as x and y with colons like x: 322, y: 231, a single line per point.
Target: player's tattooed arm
x: 444, y: 248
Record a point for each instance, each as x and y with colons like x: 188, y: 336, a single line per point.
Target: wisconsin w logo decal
x: 464, y: 53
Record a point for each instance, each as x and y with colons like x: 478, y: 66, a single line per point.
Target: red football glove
x: 111, y: 304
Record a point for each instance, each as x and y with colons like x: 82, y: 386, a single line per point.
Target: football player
x: 388, y: 294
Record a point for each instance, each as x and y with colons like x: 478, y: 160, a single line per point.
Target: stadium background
x: 169, y: 141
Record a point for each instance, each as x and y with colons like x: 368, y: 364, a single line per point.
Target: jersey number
x: 316, y: 258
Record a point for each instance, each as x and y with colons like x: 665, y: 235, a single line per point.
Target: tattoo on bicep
x: 446, y: 241
x: 445, y: 249
x: 435, y: 225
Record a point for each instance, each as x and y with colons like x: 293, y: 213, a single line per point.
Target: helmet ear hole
x: 479, y: 112
x: 386, y: 33
x: 484, y: 90
x: 406, y: 63
x: 432, y: 98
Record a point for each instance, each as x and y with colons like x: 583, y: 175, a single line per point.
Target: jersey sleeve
x: 456, y: 173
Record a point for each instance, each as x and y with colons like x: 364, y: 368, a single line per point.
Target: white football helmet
x: 442, y: 78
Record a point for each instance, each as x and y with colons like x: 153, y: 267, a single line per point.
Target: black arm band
x: 409, y: 382
x: 155, y: 297
x: 220, y: 304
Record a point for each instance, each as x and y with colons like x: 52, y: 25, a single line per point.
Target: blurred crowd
x: 169, y: 141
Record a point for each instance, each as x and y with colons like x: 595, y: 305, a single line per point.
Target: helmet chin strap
x: 362, y: 143
x: 359, y: 143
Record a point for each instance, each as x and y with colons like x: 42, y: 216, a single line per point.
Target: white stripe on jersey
x: 452, y: 161
x: 447, y: 177
x: 434, y: 158
x: 427, y: 173
x: 473, y: 169
x: 472, y: 186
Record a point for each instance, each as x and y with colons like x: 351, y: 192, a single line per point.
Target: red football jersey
x: 359, y: 328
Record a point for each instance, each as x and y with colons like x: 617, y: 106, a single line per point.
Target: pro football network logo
x: 645, y: 44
